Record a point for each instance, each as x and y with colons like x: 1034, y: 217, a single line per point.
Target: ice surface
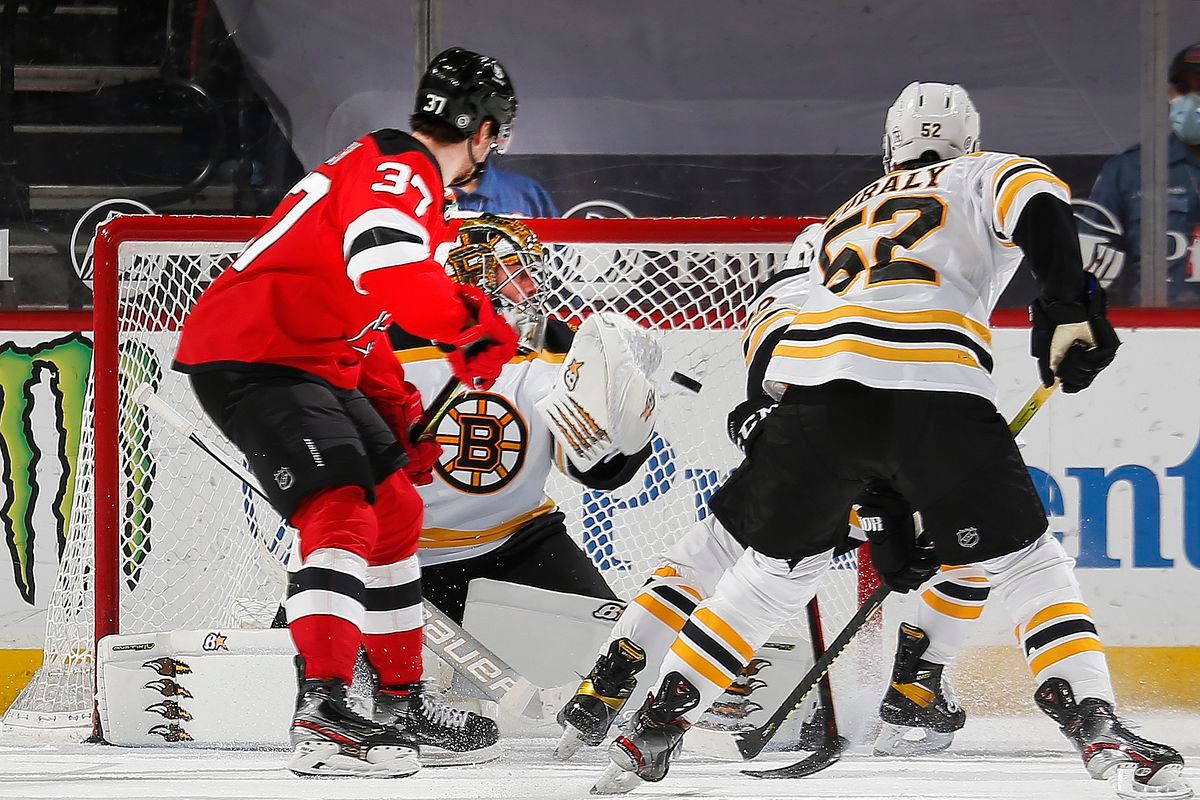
x: 992, y: 759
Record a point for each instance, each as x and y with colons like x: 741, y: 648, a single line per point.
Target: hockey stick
x: 463, y: 652
x: 831, y: 745
x: 751, y: 743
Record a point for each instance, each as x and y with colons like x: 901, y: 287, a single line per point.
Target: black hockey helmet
x: 463, y: 88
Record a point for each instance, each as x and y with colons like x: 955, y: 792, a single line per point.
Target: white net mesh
x: 197, y: 549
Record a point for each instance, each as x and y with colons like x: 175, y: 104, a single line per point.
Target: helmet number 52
x: 877, y: 257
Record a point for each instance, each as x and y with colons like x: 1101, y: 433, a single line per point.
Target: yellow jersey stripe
x: 1055, y: 611
x: 709, y: 671
x: 724, y: 630
x: 1004, y: 203
x: 933, y: 316
x: 435, y: 538
x: 1003, y: 169
x: 756, y: 333
x: 661, y: 611
x: 927, y: 355
x: 1062, y: 651
x: 943, y: 606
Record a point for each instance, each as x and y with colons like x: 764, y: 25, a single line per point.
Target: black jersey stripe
x: 1059, y: 630
x: 782, y: 275
x: 959, y: 592
x: 378, y: 236
x: 711, y: 647
x: 676, y: 598
x: 329, y: 580
x: 1013, y: 172
x: 899, y: 335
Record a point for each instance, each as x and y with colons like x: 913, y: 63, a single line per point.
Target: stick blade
x: 825, y: 756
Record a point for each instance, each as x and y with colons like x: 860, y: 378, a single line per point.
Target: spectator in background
x: 1118, y: 187
x: 499, y: 191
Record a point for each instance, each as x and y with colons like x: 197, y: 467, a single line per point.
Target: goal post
x: 161, y: 539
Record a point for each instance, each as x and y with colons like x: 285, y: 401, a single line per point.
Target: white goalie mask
x: 930, y: 117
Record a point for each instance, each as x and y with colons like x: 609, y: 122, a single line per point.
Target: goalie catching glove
x: 1073, y: 342
x: 602, y: 401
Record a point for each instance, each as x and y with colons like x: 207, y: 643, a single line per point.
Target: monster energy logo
x: 63, y: 364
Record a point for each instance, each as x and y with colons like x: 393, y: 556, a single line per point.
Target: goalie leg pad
x: 602, y: 401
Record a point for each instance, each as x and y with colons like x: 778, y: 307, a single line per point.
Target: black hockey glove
x: 901, y: 561
x: 744, y: 420
x: 1059, y: 331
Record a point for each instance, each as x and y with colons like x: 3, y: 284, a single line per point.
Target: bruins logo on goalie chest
x: 483, y: 439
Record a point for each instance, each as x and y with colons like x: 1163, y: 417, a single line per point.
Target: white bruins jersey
x: 774, y: 308
x: 496, y: 455
x: 911, y: 268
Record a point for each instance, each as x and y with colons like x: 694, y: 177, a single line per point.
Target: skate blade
x: 440, y: 757
x: 568, y: 744
x: 895, y: 740
x: 1168, y: 784
x: 615, y: 780
x: 326, y: 758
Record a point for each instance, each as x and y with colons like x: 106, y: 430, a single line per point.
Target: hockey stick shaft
x: 1040, y: 395
x: 752, y: 742
x: 463, y: 652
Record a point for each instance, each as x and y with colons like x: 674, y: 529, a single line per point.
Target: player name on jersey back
x: 911, y: 267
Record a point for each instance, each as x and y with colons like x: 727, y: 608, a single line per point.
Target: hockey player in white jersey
x: 885, y: 374
x: 487, y: 514
x: 691, y: 567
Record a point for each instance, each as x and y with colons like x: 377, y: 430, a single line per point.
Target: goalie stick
x: 751, y: 743
x: 465, y: 654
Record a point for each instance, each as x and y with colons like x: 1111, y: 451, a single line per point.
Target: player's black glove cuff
x: 887, y: 520
x: 1081, y: 364
x: 744, y: 421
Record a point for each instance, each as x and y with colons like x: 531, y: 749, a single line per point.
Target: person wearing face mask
x: 1118, y: 187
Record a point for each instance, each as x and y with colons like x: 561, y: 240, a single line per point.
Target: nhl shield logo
x: 968, y: 537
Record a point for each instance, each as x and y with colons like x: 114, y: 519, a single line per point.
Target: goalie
x: 575, y: 401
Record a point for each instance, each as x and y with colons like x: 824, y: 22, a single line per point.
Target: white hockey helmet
x: 806, y: 248
x: 937, y: 117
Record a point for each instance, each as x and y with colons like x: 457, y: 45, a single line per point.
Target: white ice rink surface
x: 991, y: 759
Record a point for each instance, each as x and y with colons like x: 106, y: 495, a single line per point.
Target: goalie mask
x: 505, y: 259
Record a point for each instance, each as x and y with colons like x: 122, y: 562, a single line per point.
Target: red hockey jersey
x: 353, y: 245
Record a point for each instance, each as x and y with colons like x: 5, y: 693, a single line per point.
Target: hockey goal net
x: 163, y: 538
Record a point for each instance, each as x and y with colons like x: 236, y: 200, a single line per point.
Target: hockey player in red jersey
x: 287, y: 354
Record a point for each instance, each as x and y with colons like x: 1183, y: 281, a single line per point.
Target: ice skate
x: 1139, y: 767
x: 447, y: 736
x: 653, y: 738
x: 919, y: 711
x: 588, y: 716
x: 330, y: 738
